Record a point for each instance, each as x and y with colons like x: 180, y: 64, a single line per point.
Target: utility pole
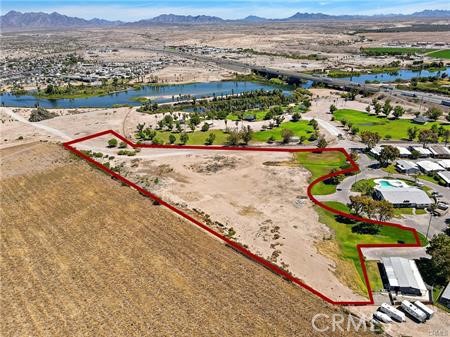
x: 432, y: 208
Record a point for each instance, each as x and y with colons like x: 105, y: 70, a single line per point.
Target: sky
x: 132, y: 10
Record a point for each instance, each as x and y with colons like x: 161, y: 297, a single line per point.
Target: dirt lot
x: 84, y: 256
x: 259, y: 199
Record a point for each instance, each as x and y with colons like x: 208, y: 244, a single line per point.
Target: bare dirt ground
x: 90, y: 257
x: 259, y: 199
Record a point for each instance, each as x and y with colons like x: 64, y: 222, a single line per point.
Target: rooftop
x: 429, y: 166
x: 445, y: 175
x: 405, y: 195
x: 403, y: 273
x: 406, y: 164
x: 439, y: 150
x: 422, y: 150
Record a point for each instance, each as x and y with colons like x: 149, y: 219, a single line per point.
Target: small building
x: 404, y: 152
x: 403, y: 276
x: 423, y: 152
x: 445, y: 296
x: 404, y: 197
x: 429, y: 167
x: 438, y: 151
x: 445, y: 163
x: 445, y: 176
x: 407, y: 166
x: 422, y: 120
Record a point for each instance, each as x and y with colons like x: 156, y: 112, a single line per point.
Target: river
x: 159, y: 94
x: 170, y: 93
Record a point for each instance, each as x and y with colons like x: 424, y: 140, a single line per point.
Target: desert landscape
x: 91, y: 255
x: 197, y: 175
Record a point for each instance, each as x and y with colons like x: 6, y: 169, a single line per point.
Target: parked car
x: 442, y: 206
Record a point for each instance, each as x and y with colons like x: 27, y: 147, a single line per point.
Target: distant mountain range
x: 17, y: 20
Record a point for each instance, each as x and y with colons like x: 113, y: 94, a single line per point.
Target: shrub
x: 112, y: 142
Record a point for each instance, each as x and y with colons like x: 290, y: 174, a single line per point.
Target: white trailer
x: 414, y: 311
x: 424, y: 308
x: 382, y: 317
x: 392, y: 312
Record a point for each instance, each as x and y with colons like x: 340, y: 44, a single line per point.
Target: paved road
x: 336, y: 82
x: 419, y: 222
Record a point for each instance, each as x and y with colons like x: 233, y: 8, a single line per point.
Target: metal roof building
x: 407, y: 166
x: 445, y: 176
x: 445, y: 296
x: 439, y: 151
x: 445, y: 163
x: 404, y: 197
x: 404, y: 152
x: 429, y: 166
x: 403, y: 276
x: 423, y: 152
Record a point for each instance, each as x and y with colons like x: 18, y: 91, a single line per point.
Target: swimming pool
x: 390, y: 184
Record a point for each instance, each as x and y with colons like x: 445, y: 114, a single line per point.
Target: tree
x: 122, y: 145
x: 398, y: 111
x: 388, y: 154
x: 427, y: 136
x: 286, y: 135
x: 50, y: 89
x: 384, y: 210
x: 296, y: 116
x: 436, y: 271
x: 172, y: 139
x: 358, y: 204
x: 332, y: 108
x: 368, y: 109
x: 335, y: 179
x: 387, y: 107
x: 377, y: 108
x: 234, y: 137
x: 433, y: 113
x: 246, y: 134
x: 112, y: 142
x: 301, y: 139
x: 322, y: 142
x: 445, y: 136
x: 205, y: 127
x: 412, y: 132
x: 370, y: 139
x: 314, y: 124
x: 210, y: 139
x: 184, y: 137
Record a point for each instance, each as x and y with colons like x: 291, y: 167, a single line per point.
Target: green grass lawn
x: 347, y: 240
x: 394, y: 51
x: 320, y: 164
x: 300, y: 128
x: 395, y: 128
x: 431, y: 179
x: 442, y: 54
x: 195, y: 138
x: 390, y: 169
x: 374, y: 275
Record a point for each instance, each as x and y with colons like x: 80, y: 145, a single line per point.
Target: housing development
x: 191, y: 175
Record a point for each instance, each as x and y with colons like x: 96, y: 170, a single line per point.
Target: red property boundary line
x: 353, y: 168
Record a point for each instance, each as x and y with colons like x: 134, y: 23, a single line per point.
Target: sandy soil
x: 257, y: 198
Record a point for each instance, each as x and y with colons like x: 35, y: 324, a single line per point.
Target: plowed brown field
x: 82, y: 255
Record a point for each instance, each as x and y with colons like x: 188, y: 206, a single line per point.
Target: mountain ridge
x: 18, y: 20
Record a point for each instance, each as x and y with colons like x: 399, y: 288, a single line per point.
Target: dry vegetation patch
x: 82, y: 255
